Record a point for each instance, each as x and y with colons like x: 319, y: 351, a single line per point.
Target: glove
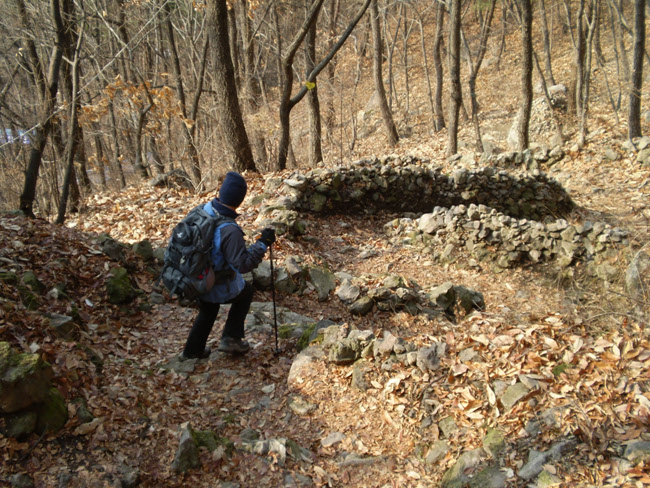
x: 268, y: 236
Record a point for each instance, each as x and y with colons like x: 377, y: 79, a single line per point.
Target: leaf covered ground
x: 580, y: 355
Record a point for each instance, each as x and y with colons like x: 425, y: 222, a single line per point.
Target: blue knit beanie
x: 233, y: 190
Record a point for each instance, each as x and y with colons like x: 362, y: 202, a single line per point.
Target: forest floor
x: 532, y: 323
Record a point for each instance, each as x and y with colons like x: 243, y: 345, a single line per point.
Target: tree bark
x: 315, y: 129
x: 454, y: 77
x: 387, y: 116
x: 230, y: 116
x: 526, y: 75
x: 634, y: 116
x: 439, y: 118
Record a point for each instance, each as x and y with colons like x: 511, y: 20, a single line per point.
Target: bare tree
x: 48, y: 86
x: 526, y: 74
x: 387, y: 116
x: 634, y: 117
x: 230, y: 115
x: 454, y: 77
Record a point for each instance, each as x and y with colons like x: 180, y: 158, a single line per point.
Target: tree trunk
x: 526, y: 74
x: 454, y: 77
x: 230, y: 116
x: 315, y: 147
x: 389, y: 124
x: 46, y: 113
x: 634, y: 117
x: 547, y: 42
x: 439, y: 118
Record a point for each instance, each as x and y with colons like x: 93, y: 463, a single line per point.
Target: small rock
x: 513, y: 394
x: 332, y: 439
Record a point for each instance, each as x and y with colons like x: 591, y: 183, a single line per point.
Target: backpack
x: 187, y: 269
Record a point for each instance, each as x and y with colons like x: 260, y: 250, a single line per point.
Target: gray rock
x: 300, y: 406
x: 21, y: 480
x: 187, y: 454
x: 637, y: 451
x: 635, y: 274
x: 429, y: 357
x: 323, y: 280
x: 490, y: 477
x: 20, y: 424
x: 262, y: 275
x: 444, y: 296
x: 302, y: 365
x: 63, y: 325
x: 344, y: 352
x: 332, y: 439
x: 537, y: 459
x: 513, y: 394
x: 429, y: 223
x: 359, y: 374
x: 384, y: 347
x: 469, y: 299
x: 448, y: 426
x: 494, y: 442
x: 547, y: 480
x: 456, y: 477
x: 437, y: 452
x: 347, y: 292
x: 144, y: 249
x: 362, y: 306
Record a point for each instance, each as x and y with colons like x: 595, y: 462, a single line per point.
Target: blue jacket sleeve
x: 235, y: 253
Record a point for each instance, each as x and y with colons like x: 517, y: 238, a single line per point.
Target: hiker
x: 229, y: 252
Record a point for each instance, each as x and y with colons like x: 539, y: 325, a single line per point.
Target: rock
x: 429, y: 223
x: 429, y: 357
x: 21, y: 480
x: 359, y: 373
x: 437, y: 452
x: 513, y: 394
x: 129, y: 476
x: 63, y: 325
x: 283, y: 281
x: 52, y: 412
x: 635, y: 274
x: 300, y: 406
x: 24, y: 379
x: 456, y: 477
x: 537, y: 459
x: 384, y: 347
x: 547, y: 480
x: 112, y: 248
x: 144, y: 249
x: 332, y: 439
x: 444, y: 296
x: 187, y: 454
x: 637, y: 451
x: 490, y: 477
x: 362, y: 306
x: 119, y: 288
x: 262, y: 275
x: 468, y: 299
x: 448, y: 426
x: 494, y: 442
x: 347, y: 292
x: 343, y: 352
x: 30, y: 280
x: 301, y: 366
x: 20, y: 424
x: 610, y: 154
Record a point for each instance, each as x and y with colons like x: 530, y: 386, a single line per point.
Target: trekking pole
x: 275, y: 316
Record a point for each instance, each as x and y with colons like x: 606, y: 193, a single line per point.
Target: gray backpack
x: 187, y: 270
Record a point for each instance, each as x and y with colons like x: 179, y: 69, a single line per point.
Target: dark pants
x: 204, y: 322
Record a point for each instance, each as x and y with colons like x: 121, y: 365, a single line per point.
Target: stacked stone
x: 491, y: 235
x: 408, y: 184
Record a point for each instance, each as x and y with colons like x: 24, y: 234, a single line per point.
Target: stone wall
x: 408, y: 184
x: 488, y: 235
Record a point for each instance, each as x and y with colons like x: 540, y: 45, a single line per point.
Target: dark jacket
x: 230, y: 251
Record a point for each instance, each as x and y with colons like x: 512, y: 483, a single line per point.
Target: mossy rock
x: 30, y: 280
x: 24, y: 379
x: 52, y: 413
x: 211, y: 441
x: 119, y: 288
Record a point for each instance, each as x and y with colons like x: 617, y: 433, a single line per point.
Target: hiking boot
x: 232, y: 345
x: 204, y: 355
